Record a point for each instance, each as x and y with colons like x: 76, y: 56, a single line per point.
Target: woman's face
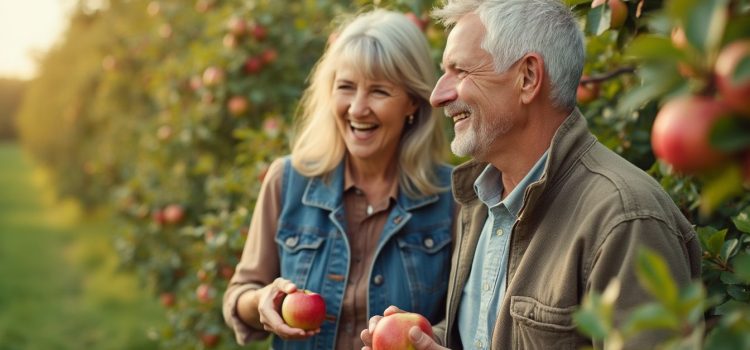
x: 370, y: 114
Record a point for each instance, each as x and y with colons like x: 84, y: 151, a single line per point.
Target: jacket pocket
x: 297, y: 252
x: 426, y: 259
x: 539, y: 326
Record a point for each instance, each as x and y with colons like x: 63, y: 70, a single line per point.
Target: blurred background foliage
x: 167, y: 113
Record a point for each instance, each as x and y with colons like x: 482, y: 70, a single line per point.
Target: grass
x: 59, y: 284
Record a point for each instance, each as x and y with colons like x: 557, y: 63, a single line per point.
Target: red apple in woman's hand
x: 392, y: 331
x: 303, y: 309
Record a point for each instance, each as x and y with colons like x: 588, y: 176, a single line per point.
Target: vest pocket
x: 297, y: 252
x: 539, y: 326
x: 426, y: 258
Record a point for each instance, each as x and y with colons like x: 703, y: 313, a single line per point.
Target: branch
x: 607, y: 76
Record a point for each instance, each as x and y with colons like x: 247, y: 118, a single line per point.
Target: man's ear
x: 531, y: 71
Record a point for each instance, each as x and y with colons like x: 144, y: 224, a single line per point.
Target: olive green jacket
x: 580, y: 226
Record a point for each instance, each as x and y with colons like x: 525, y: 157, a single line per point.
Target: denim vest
x: 409, y: 269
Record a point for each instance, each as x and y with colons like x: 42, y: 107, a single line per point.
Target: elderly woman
x: 361, y: 212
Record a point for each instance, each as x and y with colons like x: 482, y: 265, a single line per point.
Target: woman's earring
x: 410, y: 120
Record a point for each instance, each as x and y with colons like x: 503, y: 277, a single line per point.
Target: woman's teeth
x: 362, y: 126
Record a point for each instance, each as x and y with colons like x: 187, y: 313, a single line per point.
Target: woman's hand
x: 269, y: 306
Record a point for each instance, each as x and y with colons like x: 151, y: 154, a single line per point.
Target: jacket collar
x: 326, y: 192
x: 569, y: 143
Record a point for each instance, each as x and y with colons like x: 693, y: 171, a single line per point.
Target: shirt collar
x: 349, y: 181
x: 489, y: 189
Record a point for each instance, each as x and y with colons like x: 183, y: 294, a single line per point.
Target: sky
x: 26, y: 27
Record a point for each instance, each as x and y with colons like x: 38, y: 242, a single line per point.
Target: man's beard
x: 477, y: 139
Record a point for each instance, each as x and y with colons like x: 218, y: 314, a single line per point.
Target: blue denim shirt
x: 486, y: 284
x: 410, y: 267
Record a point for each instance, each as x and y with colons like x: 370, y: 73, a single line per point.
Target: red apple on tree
x: 174, y: 213
x: 735, y: 89
x: 421, y: 23
x: 158, y: 216
x: 587, y: 92
x: 303, y: 309
x: 253, y: 65
x: 392, y: 331
x: 167, y: 299
x: 237, y: 26
x: 209, y: 340
x: 204, y: 293
x: 259, y: 32
x: 229, y: 41
x: 213, y: 76
x: 681, y: 131
x: 269, y: 55
x: 238, y: 105
x: 619, y: 12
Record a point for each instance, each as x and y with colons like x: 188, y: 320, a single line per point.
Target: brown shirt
x: 259, y: 264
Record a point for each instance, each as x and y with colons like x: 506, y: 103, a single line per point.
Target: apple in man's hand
x: 303, y: 309
x: 392, y: 331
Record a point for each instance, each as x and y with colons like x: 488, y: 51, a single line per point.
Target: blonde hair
x: 386, y: 45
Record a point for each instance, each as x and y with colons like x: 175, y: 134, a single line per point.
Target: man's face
x: 479, y: 100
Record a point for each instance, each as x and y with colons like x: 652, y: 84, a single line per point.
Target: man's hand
x: 269, y: 305
x: 419, y: 339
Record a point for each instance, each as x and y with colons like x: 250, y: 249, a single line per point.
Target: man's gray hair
x: 517, y: 27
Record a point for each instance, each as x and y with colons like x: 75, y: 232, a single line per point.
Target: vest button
x: 429, y: 243
x: 378, y: 280
x: 291, y: 242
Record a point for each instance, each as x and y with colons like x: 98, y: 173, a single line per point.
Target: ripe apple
x: 419, y: 22
x: 164, y: 132
x: 174, y: 213
x: 229, y: 41
x: 303, y: 309
x: 619, y: 12
x: 253, y: 65
x: 680, y: 135
x: 269, y: 55
x: 158, y: 216
x: 209, y: 340
x: 736, y: 92
x: 238, y: 105
x: 259, y: 32
x: 272, y: 126
x: 165, y: 31
x: 587, y: 92
x: 204, y: 293
x: 213, y: 76
x: 392, y: 331
x: 167, y: 299
x: 237, y: 26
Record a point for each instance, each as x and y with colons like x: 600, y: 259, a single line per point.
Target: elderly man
x: 547, y: 212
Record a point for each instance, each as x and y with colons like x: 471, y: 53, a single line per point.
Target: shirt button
x: 429, y: 243
x: 291, y: 241
x: 531, y: 315
x: 499, y: 232
x: 486, y: 286
x: 478, y: 344
x: 378, y: 280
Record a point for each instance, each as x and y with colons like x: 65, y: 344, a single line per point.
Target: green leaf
x: 572, y: 3
x: 704, y: 25
x: 693, y: 302
x: 654, y: 275
x: 729, y: 248
x: 724, y: 185
x: 738, y: 292
x: 741, y: 264
x: 729, y: 279
x: 650, y: 317
x: 742, y: 220
x: 653, y: 47
x: 742, y: 71
x: 591, y: 324
x: 730, y: 134
x: 711, y: 239
x: 597, y: 20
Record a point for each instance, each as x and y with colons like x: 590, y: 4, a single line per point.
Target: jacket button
x: 429, y: 242
x: 531, y: 315
x: 378, y: 280
x: 291, y: 242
